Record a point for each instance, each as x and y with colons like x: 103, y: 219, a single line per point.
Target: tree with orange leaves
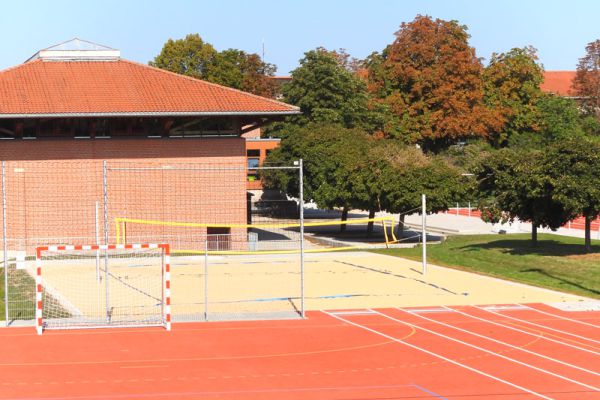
x: 431, y: 81
x: 587, y: 80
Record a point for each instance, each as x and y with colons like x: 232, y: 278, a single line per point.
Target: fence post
x: 469, y: 209
x: 5, y: 242
x: 301, y: 204
x: 424, y: 231
x: 105, y: 190
x: 206, y: 277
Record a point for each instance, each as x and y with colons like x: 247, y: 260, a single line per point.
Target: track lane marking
x: 561, y: 317
x: 521, y: 388
x: 502, y: 343
x: 539, y: 325
x: 541, y: 335
x: 493, y: 353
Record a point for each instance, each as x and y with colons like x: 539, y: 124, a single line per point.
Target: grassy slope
x: 557, y: 263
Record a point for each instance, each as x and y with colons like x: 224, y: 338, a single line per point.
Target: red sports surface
x: 503, y: 352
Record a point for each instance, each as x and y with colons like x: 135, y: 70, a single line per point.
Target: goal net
x: 102, y: 286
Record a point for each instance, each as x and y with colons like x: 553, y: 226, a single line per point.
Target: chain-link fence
x: 235, y: 254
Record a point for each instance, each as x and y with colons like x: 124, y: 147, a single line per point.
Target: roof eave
x: 153, y: 114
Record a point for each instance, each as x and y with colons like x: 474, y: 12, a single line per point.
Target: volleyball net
x: 275, y: 237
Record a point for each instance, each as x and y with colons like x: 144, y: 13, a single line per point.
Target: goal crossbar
x: 160, y: 294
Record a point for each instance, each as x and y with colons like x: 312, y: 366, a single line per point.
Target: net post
x: 301, y: 205
x: 5, y: 243
x: 38, y: 292
x: 206, y: 277
x: 97, y: 228
x: 424, y: 232
x: 167, y: 284
x: 105, y: 190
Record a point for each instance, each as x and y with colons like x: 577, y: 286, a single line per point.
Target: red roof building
x: 74, y: 106
x: 559, y: 83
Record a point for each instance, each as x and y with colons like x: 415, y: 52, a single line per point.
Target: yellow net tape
x: 121, y: 228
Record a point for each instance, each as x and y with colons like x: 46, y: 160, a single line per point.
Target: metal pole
x: 105, y: 188
x: 301, y: 204
x: 424, y: 231
x: 469, y: 209
x: 97, y: 226
x: 206, y: 278
x: 5, y: 242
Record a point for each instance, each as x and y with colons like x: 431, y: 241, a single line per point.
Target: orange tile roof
x: 103, y: 88
x: 559, y: 82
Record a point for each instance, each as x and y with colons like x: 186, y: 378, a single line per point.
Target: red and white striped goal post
x: 166, y: 280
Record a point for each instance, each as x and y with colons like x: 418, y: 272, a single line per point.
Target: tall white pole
x: 97, y: 226
x: 5, y: 242
x: 301, y: 204
x: 424, y: 231
x: 106, y: 239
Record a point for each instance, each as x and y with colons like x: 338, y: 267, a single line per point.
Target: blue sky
x: 558, y: 29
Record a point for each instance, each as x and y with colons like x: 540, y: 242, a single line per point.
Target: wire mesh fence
x: 201, y: 209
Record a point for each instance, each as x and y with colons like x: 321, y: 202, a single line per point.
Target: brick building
x: 74, y: 108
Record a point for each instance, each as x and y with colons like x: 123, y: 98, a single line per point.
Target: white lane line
x: 539, y: 325
x: 561, y: 317
x: 524, y: 389
x: 502, y: 343
x: 526, y: 332
x: 545, y: 371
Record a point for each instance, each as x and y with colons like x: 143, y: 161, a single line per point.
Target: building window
x: 253, y: 158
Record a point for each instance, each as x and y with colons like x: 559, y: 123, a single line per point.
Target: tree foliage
x: 430, y: 78
x: 587, y: 80
x: 327, y: 91
x: 515, y: 184
x: 573, y: 165
x: 512, y: 88
x: 234, y: 68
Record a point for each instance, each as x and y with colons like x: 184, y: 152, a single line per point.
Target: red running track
x: 515, y: 352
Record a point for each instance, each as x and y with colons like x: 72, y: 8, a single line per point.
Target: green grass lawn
x: 21, y: 297
x: 558, y: 262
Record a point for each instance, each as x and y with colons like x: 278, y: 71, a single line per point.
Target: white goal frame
x: 166, y: 276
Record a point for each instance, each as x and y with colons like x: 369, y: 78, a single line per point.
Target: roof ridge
x: 211, y: 84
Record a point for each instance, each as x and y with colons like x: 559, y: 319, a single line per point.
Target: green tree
x: 573, y: 165
x: 516, y: 184
x: 234, y: 68
x: 407, y: 173
x: 512, y: 88
x: 332, y: 160
x: 327, y: 92
x: 190, y: 56
x: 430, y: 79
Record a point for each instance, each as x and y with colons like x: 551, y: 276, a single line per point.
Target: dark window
x: 253, y: 153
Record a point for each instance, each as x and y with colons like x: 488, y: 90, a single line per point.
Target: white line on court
x: 524, y: 389
x: 525, y: 332
x: 539, y: 325
x: 491, y: 352
x: 561, y: 317
x: 502, y: 343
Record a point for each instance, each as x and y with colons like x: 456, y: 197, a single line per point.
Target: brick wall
x: 53, y: 186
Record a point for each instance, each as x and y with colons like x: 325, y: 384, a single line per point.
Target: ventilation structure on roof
x: 77, y: 50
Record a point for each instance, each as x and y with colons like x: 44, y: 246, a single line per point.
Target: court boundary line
x: 501, y: 342
x: 523, y: 331
x: 493, y: 353
x: 539, y: 325
x: 472, y: 369
x: 560, y: 317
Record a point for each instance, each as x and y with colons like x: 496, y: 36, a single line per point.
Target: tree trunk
x: 400, y: 230
x: 534, y: 228
x: 588, y: 234
x: 370, y: 225
x: 344, y: 218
